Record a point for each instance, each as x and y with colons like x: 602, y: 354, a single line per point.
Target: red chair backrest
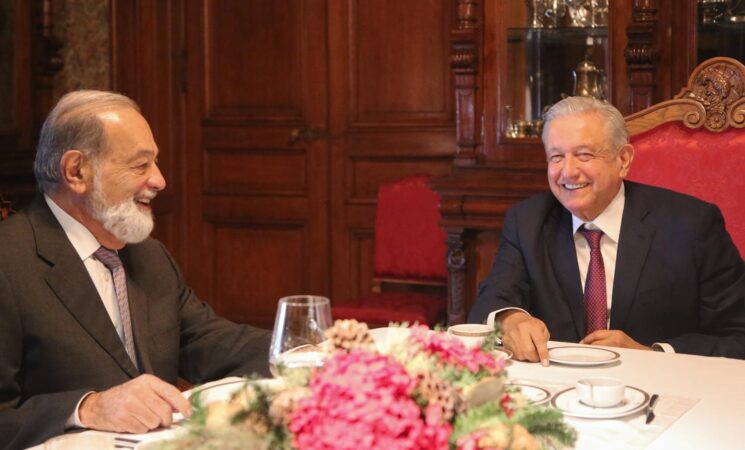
x: 707, y: 165
x: 409, y: 244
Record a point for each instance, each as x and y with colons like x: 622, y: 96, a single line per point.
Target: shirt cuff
x: 663, y: 347
x: 493, y: 314
x: 74, y: 420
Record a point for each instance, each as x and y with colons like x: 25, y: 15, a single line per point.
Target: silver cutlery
x: 650, y: 408
x: 122, y: 442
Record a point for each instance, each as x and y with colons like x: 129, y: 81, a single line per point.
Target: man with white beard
x: 96, y: 321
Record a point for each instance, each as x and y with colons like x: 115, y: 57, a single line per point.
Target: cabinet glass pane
x: 555, y: 48
x: 721, y: 29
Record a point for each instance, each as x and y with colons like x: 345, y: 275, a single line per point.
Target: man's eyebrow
x: 144, y: 153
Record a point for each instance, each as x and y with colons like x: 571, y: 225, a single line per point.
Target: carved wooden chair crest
x: 695, y: 143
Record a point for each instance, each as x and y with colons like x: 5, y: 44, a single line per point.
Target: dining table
x: 700, y: 400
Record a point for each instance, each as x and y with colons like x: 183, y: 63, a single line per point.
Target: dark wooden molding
x: 49, y: 60
x: 641, y: 53
x: 464, y: 62
x: 456, y: 264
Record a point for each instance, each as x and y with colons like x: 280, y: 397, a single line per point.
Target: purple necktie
x: 111, y: 260
x: 596, y: 300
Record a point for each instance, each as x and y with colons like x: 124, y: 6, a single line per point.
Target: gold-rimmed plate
x: 582, y: 355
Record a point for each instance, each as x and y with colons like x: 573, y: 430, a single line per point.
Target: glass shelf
x: 557, y: 35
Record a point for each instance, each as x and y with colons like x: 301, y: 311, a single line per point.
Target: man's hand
x: 612, y: 338
x: 137, y: 406
x: 526, y: 336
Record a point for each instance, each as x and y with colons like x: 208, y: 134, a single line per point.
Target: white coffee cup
x: 600, y: 392
x: 471, y: 334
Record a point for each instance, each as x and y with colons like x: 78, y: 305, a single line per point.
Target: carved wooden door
x: 277, y: 122
x: 256, y: 158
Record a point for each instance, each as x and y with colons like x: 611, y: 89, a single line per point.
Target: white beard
x: 126, y: 221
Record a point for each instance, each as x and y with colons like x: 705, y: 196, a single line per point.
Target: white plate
x: 536, y: 395
x: 502, y: 353
x: 581, y: 355
x: 568, y: 402
x: 224, y: 389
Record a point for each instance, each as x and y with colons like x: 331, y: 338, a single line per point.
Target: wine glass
x: 298, y: 332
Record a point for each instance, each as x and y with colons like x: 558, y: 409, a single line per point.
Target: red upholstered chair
x: 410, y: 276
x: 695, y: 143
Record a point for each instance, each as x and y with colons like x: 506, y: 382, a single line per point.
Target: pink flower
x: 453, y: 352
x: 363, y: 401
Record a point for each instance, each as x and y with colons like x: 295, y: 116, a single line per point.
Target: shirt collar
x: 609, y: 221
x: 80, y: 237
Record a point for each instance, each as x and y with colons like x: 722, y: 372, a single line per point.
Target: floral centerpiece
x: 417, y: 389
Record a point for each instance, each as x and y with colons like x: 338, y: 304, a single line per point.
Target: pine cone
x: 255, y: 423
x: 348, y: 335
x: 522, y: 439
x: 435, y: 391
x: 285, y: 402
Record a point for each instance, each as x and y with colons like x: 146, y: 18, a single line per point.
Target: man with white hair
x: 96, y: 321
x: 600, y: 260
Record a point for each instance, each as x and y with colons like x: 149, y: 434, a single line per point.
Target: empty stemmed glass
x: 298, y: 332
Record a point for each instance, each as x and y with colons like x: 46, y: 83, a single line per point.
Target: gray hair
x: 74, y: 124
x: 615, y: 125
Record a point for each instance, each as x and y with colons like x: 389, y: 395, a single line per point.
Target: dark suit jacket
x: 679, y: 278
x: 57, y: 341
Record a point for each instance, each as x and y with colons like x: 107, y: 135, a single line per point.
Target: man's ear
x: 626, y: 156
x: 76, y: 172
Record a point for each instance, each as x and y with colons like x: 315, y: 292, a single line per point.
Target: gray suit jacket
x: 679, y: 278
x: 57, y: 341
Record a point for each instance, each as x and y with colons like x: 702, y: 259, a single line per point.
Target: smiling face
x: 125, y: 178
x: 584, y: 173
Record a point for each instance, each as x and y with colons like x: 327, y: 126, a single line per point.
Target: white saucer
x: 582, y: 355
x: 536, y: 395
x: 567, y: 401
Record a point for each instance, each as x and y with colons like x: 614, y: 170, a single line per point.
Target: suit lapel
x: 633, y: 247
x: 70, y: 281
x: 557, y: 233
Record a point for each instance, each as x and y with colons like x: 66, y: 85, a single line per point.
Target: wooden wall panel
x: 253, y: 263
x: 362, y: 252
x: 253, y: 171
x: 399, y: 68
x: 366, y: 174
x: 254, y: 57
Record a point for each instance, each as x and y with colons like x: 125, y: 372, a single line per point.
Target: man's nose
x: 569, y: 166
x: 156, y: 181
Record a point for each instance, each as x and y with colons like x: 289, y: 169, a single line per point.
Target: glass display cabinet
x: 720, y: 29
x: 555, y: 48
